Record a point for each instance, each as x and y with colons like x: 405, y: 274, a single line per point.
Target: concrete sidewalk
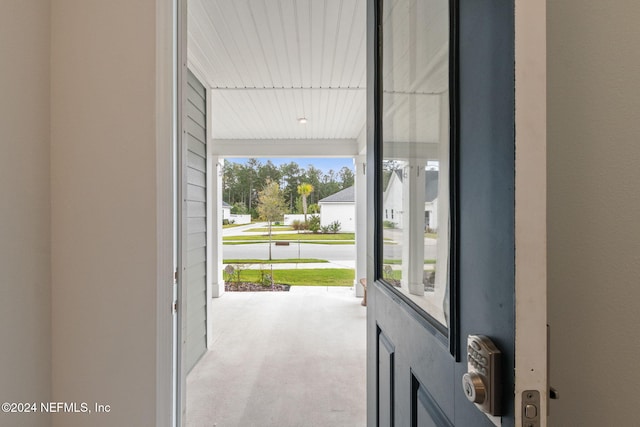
x: 283, y: 359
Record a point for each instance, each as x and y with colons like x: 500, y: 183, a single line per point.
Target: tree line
x: 242, y: 183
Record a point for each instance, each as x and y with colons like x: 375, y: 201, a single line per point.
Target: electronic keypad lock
x: 481, y: 383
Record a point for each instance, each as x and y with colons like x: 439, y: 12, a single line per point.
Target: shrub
x: 225, y: 222
x: 388, y: 224
x: 314, y: 223
x: 335, y: 226
x: 267, y: 280
x: 389, y: 275
x: 298, y: 225
x: 325, y: 229
x: 238, y: 269
x: 229, y: 272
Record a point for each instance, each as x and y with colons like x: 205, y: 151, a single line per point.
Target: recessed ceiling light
x: 302, y: 120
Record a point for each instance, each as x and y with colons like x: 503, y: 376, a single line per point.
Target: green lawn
x: 266, y: 229
x: 273, y: 261
x: 294, y: 237
x: 395, y: 274
x: 304, y: 277
x: 315, y: 242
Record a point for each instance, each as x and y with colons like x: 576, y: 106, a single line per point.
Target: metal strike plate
x: 531, y: 408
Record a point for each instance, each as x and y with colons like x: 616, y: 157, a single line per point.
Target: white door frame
x: 531, y: 204
x: 531, y: 315
x: 166, y: 128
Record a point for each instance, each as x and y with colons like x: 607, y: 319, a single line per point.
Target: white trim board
x: 531, y: 187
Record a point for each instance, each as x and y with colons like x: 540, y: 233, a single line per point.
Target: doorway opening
x: 311, y: 339
x: 272, y: 80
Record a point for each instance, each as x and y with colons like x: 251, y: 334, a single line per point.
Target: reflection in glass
x: 415, y: 129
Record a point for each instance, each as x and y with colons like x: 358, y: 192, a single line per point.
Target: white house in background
x: 226, y: 210
x: 392, y: 200
x: 339, y: 207
x: 234, y: 218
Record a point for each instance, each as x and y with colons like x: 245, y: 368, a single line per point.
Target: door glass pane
x: 415, y: 133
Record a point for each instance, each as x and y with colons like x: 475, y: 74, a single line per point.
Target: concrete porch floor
x: 286, y: 359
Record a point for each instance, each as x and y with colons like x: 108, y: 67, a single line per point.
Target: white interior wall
x: 594, y: 210
x: 105, y: 256
x: 25, y: 289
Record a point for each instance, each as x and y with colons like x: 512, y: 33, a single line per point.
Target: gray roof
x: 225, y: 204
x: 343, y: 196
x: 431, y: 184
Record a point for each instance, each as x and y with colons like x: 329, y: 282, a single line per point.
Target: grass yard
x: 293, y: 237
x: 266, y: 229
x: 303, y: 277
x: 315, y: 242
x: 273, y: 261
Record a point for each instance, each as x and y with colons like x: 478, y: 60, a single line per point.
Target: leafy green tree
x: 290, y: 176
x: 271, y: 205
x: 347, y: 177
x: 270, y: 172
x: 241, y: 181
x: 239, y: 208
x: 304, y: 190
x: 251, y: 178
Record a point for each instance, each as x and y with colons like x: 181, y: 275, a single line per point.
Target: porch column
x: 214, y: 227
x: 361, y: 222
x: 413, y: 196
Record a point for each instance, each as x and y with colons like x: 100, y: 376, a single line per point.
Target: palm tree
x: 304, y: 190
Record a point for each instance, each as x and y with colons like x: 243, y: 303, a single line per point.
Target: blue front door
x: 441, y: 141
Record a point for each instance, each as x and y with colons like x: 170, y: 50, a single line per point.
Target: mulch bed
x: 254, y: 287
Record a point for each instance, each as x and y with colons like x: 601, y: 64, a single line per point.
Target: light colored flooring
x: 286, y: 359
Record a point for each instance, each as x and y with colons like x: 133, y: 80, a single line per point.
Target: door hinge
x: 175, y: 277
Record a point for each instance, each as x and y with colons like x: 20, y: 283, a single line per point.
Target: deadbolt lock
x: 481, y: 383
x: 474, y: 388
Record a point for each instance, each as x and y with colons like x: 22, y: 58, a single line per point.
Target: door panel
x: 386, y: 380
x: 459, y: 129
x: 425, y: 410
